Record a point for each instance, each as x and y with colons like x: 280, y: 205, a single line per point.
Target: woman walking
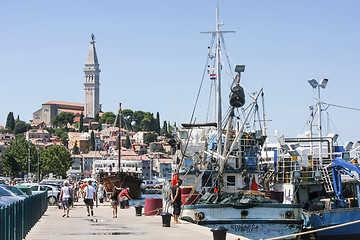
x: 66, y: 196
x: 114, y: 201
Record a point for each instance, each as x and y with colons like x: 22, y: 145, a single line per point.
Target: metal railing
x: 18, y: 218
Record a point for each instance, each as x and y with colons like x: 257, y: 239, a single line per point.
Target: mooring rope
x: 314, y: 231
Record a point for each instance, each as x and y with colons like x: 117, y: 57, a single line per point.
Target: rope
x: 314, y: 231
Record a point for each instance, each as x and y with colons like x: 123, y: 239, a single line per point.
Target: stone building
x: 91, y: 107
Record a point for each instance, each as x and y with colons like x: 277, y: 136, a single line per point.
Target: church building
x: 91, y: 107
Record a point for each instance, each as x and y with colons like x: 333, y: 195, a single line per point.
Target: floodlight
x: 348, y: 146
x: 313, y: 83
x: 323, y: 82
x: 356, y: 144
x: 333, y: 136
x: 239, y: 68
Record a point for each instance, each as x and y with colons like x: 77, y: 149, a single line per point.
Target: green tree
x: 16, y: 158
x: 21, y: 127
x: 10, y: 122
x: 62, y: 134
x: 127, y: 142
x: 55, y: 159
x: 97, y: 117
x: 92, y: 141
x: 150, y: 137
x: 157, y: 123
x: 76, y: 149
x: 81, y: 127
x: 108, y: 118
x: 164, y: 129
x: 62, y: 119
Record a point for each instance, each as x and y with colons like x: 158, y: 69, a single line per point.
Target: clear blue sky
x: 151, y: 55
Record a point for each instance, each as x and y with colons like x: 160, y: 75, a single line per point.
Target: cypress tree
x: 81, y: 128
x: 92, y: 141
x: 10, y: 122
x: 157, y: 130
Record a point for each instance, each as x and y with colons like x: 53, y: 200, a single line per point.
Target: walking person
x: 124, y: 196
x: 176, y: 200
x: 114, y: 201
x: 89, y: 195
x: 66, y: 196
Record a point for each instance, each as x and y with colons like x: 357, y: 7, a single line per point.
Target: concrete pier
x: 52, y: 226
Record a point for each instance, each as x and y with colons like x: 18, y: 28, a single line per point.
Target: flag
x: 213, y: 76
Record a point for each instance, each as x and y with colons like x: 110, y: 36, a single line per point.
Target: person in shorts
x: 114, y: 201
x: 89, y: 195
x: 176, y: 200
x: 66, y: 196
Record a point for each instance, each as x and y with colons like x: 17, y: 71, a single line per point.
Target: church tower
x: 92, y: 83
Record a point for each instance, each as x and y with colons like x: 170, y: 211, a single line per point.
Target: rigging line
x: 209, y: 104
x: 198, y: 95
x: 227, y: 54
x: 339, y: 106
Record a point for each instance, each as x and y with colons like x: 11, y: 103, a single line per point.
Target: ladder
x: 325, y: 176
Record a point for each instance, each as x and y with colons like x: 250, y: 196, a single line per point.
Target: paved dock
x: 52, y: 226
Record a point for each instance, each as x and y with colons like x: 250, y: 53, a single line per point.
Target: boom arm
x: 340, y: 165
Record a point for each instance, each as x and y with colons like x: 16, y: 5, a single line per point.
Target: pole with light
x: 29, y: 162
x: 322, y: 84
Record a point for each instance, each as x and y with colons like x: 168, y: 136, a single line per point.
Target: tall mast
x: 218, y: 77
x: 218, y: 34
x: 119, y: 144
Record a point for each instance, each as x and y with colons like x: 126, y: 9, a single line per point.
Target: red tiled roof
x: 64, y: 103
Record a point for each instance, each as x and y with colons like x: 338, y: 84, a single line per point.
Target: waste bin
x: 166, y: 218
x: 138, y: 210
x: 219, y: 233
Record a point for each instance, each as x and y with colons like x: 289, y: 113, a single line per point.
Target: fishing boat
x: 116, y: 175
x: 322, y: 176
x: 218, y: 162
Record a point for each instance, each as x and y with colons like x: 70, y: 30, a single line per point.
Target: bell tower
x: 92, y: 83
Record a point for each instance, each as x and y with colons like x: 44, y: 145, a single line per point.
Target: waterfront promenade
x: 52, y: 226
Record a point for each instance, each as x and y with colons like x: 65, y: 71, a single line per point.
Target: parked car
x: 7, y: 197
x: 53, y: 192
x: 14, y: 190
x: 25, y: 189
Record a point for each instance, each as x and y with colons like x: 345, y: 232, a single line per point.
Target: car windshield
x: 4, y: 192
x: 15, y: 190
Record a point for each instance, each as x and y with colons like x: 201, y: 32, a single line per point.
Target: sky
x: 152, y: 56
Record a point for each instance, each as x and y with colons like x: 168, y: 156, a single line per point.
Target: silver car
x: 53, y: 191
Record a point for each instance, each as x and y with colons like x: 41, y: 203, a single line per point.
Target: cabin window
x: 230, y: 180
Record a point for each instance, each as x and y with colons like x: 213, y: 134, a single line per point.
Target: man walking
x: 176, y: 200
x: 89, y: 195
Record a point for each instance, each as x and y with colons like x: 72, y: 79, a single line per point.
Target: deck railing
x: 18, y: 218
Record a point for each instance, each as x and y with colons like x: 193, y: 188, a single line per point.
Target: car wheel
x: 52, y: 199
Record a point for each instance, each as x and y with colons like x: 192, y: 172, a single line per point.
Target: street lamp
x: 29, y: 163
x: 314, y: 84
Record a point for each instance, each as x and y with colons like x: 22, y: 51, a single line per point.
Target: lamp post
x: 315, y: 84
x: 38, y: 167
x: 29, y: 163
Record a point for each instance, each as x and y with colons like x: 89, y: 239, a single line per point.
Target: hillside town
x: 152, y: 159
x: 91, y: 136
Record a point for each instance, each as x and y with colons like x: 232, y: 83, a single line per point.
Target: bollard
x: 219, y: 233
x: 166, y: 219
x: 138, y: 210
x: 122, y: 204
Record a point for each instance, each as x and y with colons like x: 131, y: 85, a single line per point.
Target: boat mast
x: 218, y: 77
x: 119, y: 143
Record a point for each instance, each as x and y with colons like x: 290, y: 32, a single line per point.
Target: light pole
x: 315, y: 84
x: 38, y: 167
x: 29, y: 163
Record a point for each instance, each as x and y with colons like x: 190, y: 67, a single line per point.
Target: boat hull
x: 122, y: 180
x: 262, y: 221
x: 327, y: 218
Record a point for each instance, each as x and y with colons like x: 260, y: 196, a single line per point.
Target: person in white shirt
x: 66, y: 197
x: 89, y: 195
